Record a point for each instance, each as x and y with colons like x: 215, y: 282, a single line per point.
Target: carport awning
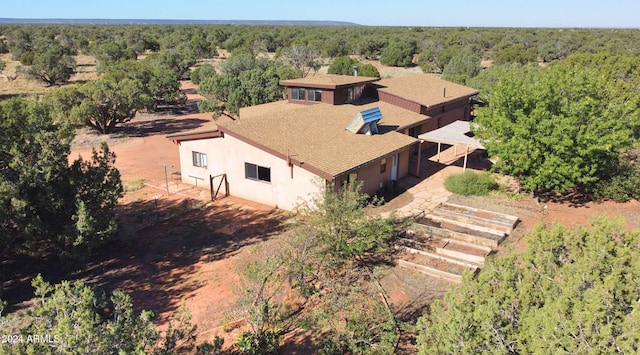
x: 453, y: 134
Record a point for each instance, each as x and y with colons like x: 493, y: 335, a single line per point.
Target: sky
x: 466, y: 13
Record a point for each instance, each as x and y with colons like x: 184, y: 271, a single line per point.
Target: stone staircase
x: 451, y: 239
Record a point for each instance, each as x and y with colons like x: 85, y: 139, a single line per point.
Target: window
x: 297, y: 93
x: 256, y: 172
x: 314, y: 95
x: 383, y: 165
x: 199, y: 159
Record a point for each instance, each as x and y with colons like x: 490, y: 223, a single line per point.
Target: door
x: 394, y: 168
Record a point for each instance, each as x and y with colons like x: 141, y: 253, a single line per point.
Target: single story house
x: 331, y: 128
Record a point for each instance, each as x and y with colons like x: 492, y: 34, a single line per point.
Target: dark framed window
x: 199, y: 159
x: 314, y: 95
x: 383, y: 165
x: 257, y: 172
x: 298, y: 93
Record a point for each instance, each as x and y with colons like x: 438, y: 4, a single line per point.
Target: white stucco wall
x: 228, y: 155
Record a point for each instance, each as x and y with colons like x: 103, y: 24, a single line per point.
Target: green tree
x: 368, y: 69
x: 427, y: 60
x: 516, y: 53
x: 109, y: 52
x: 333, y: 254
x: 343, y: 65
x: 52, y: 67
x: 487, y: 80
x: 398, y: 54
x: 559, y: 128
x: 4, y: 48
x: 179, y: 60
x: 107, y: 103
x: 462, y: 67
x: 371, y: 47
x: 571, y: 290
x: 202, y: 72
x: 260, y: 304
x: 244, y: 81
x: 159, y: 81
x: 72, y: 319
x: 43, y: 198
x: 61, y: 101
x: 19, y: 42
x: 223, y: 93
x: 200, y: 48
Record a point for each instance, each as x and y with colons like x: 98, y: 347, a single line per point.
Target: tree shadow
x: 571, y: 198
x: 9, y: 96
x: 164, y: 126
x: 155, y: 253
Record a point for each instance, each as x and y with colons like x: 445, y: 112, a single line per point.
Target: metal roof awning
x: 453, y: 134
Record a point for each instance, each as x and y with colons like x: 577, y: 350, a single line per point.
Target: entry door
x: 394, y: 168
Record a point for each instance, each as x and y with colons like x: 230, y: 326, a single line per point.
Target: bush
x: 470, y: 183
x: 623, y: 186
x: 27, y: 58
x: 398, y: 54
x: 200, y: 73
x: 344, y: 66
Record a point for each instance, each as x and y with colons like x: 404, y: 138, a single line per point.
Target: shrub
x: 27, y: 58
x: 623, y: 186
x: 470, y: 183
x: 398, y: 54
x: 201, y: 72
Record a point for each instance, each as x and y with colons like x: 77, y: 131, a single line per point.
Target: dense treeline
x: 500, y: 44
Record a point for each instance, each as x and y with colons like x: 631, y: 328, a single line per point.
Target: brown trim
x: 301, y: 164
x: 179, y: 137
x: 428, y: 106
x: 292, y: 84
x: 414, y: 124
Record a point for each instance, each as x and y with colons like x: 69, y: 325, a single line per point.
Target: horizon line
x: 43, y: 20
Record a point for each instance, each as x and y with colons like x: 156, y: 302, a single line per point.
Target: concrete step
x: 493, y: 220
x: 487, y: 240
x: 434, y: 267
x: 450, y: 256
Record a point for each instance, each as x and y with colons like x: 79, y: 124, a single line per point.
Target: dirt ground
x: 194, y: 253
x: 177, y: 244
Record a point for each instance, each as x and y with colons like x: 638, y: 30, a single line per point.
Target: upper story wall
x: 337, y: 96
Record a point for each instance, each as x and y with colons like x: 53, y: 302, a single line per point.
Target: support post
x: 419, y: 158
x: 438, y: 152
x: 211, y: 187
x: 166, y: 176
x: 466, y: 154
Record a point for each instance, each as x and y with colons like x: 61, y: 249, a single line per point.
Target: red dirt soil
x: 192, y: 253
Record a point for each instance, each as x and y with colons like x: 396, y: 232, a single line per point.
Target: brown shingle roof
x: 316, y: 136
x: 328, y: 81
x: 425, y: 89
x: 209, y: 129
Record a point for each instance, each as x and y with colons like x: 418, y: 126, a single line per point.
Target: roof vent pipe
x: 444, y: 94
x: 355, y: 70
